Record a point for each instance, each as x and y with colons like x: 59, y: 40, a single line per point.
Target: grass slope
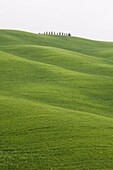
x: 56, y: 96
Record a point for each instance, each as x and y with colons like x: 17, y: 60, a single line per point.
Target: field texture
x: 56, y: 102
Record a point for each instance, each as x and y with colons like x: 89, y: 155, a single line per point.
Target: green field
x: 56, y: 102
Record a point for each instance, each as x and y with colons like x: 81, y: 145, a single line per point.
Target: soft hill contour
x: 56, y: 102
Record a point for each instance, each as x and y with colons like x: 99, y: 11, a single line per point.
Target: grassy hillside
x: 56, y: 102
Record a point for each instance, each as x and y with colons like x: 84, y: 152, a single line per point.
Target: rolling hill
x: 56, y: 102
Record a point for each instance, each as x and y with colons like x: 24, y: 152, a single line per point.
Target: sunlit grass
x: 56, y: 102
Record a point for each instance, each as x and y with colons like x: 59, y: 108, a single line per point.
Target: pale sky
x: 91, y: 19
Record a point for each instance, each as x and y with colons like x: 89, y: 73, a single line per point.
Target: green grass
x: 56, y: 102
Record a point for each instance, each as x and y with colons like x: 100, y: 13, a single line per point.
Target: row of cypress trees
x: 59, y: 33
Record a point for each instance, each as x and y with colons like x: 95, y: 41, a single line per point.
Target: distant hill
x: 56, y: 102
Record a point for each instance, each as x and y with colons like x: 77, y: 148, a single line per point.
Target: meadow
x: 56, y: 102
